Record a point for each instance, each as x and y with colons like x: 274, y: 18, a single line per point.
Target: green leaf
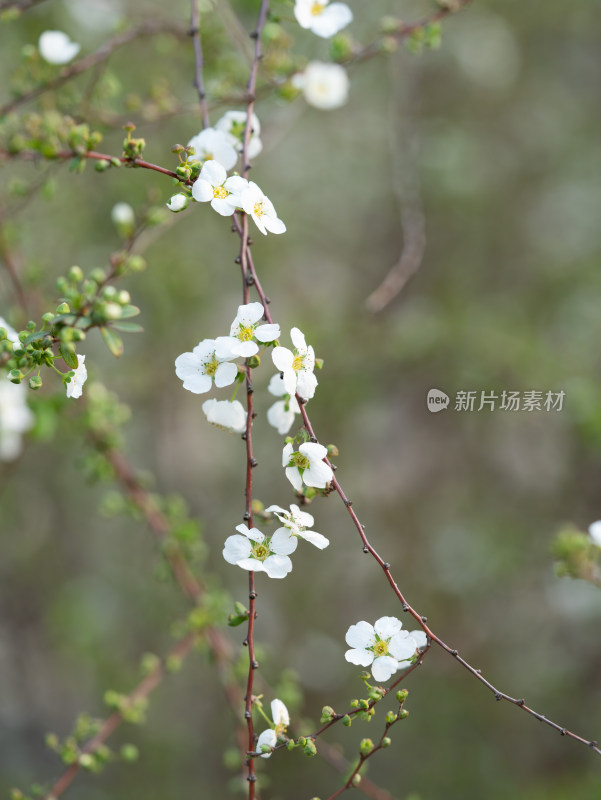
x: 129, y: 311
x: 33, y: 337
x: 112, y: 341
x: 69, y: 356
x: 127, y: 327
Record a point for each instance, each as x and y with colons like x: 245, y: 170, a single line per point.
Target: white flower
x: 595, y: 532
x: 307, y: 465
x: 281, y: 414
x: 200, y: 368
x: 261, y: 209
x: 297, y: 367
x: 229, y: 415
x: 251, y: 550
x: 15, y: 416
x: 233, y: 124
x: 212, y: 144
x: 324, y: 86
x: 123, y: 214
x: 57, y: 48
x: 298, y: 522
x: 281, y: 720
x: 245, y: 329
x: 383, y: 646
x: 75, y: 385
x: 178, y: 202
x: 212, y: 184
x: 322, y: 17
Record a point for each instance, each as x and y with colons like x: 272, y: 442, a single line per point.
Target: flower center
x: 297, y: 363
x: 220, y: 192
x: 260, y: 551
x: 211, y: 367
x: 380, y: 648
x: 300, y: 461
x: 208, y: 156
x: 245, y: 334
x: 317, y: 9
x: 258, y: 210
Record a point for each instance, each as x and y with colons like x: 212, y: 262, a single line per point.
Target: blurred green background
x: 504, y: 123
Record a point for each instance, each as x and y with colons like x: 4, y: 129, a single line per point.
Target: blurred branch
x: 404, y: 152
x: 150, y: 28
x: 19, y: 5
x: 234, y: 28
x: 198, y: 62
x: 142, y: 690
x: 10, y: 263
x: 340, y: 763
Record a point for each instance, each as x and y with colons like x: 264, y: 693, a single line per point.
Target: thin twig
x: 198, y: 61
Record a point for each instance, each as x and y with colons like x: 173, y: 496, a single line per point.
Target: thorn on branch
x: 453, y: 652
x: 424, y: 619
x: 268, y: 300
x: 254, y: 415
x: 249, y: 241
x: 251, y: 778
x: 592, y: 744
x: 247, y: 715
x: 253, y: 462
x: 386, y: 565
x: 246, y: 516
x: 253, y: 595
x: 250, y: 280
x: 243, y: 436
x: 405, y: 607
x: 313, y: 439
x: 255, y: 665
x: 348, y: 503
x: 365, y: 548
x: 245, y: 643
x: 249, y: 388
x: 498, y: 697
x: 237, y: 259
x: 563, y: 732
x: 254, y: 35
x: 521, y: 701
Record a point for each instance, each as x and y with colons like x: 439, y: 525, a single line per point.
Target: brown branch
x: 142, y: 690
x: 10, y: 264
x: 150, y: 28
x: 19, y: 5
x: 198, y: 62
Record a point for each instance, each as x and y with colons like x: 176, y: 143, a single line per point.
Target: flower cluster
x: 217, y: 150
x: 321, y: 17
x: 384, y: 646
x: 281, y: 720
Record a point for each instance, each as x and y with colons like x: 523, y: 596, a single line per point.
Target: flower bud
x: 366, y: 747
x: 386, y: 741
x: 402, y: 695
x: 356, y: 780
x: 63, y: 308
x: 35, y: 382
x: 254, y: 361
x: 347, y: 721
x: 310, y: 749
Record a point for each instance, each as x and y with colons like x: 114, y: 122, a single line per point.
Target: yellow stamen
x: 297, y: 363
x: 245, y: 334
x: 258, y: 210
x: 211, y: 367
x: 220, y: 192
x: 317, y: 9
x: 380, y: 648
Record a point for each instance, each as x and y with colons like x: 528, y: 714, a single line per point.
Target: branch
x: 198, y: 62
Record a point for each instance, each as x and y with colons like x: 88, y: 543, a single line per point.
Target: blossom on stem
x: 245, y: 329
x: 324, y: 86
x: 281, y: 414
x: 281, y: 720
x: 297, y: 367
x: 57, y: 48
x: 228, y: 415
x: 15, y: 417
x: 307, y: 465
x: 233, y: 124
x: 202, y: 367
x: 253, y: 551
x: 257, y: 205
x: 383, y: 647
x: 213, y: 185
x: 298, y: 522
x: 322, y: 17
x: 212, y: 144
x: 595, y: 532
x: 79, y: 377
x: 123, y: 214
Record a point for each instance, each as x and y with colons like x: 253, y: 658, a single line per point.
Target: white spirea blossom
x: 75, y: 385
x: 253, y: 551
x: 213, y: 185
x: 57, y: 48
x: 201, y: 368
x: 307, y: 465
x: 281, y: 720
x: 298, y: 523
x: 245, y: 329
x: 15, y: 417
x: 281, y: 414
x: 123, y: 214
x: 383, y: 647
x: 297, y: 367
x: 321, y: 17
x: 178, y: 202
x: 252, y: 200
x: 212, y: 144
x: 595, y: 532
x: 228, y: 415
x: 324, y: 86
x: 233, y: 124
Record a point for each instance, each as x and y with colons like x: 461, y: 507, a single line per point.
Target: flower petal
x: 294, y: 477
x: 236, y: 548
x: 277, y: 566
x: 313, y: 451
x: 384, y: 667
x: 267, y: 333
x: 282, y: 358
x: 268, y: 738
x: 315, y: 538
x: 252, y: 565
x: 279, y: 713
x: 318, y: 475
x: 283, y: 543
x: 402, y: 646
x: 254, y: 533
x: 386, y: 627
x: 225, y: 374
x: 361, y: 657
x: 361, y: 635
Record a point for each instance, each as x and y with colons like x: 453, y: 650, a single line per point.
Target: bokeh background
x: 500, y: 129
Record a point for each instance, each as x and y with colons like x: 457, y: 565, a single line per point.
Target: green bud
x: 15, y: 376
x: 327, y: 714
x: 356, y: 780
x: 290, y: 744
x: 309, y: 748
x: 109, y: 292
x: 52, y: 741
x: 302, y: 741
x: 347, y: 721
x: 386, y: 741
x: 3, y: 334
x: 86, y: 761
x: 173, y: 663
x: 63, y: 308
x: 129, y: 752
x: 123, y: 297
x: 403, y: 714
x: 366, y: 747
x: 183, y: 172
x: 112, y: 311
x: 390, y: 25
x: 364, y: 704
x: 391, y: 717
x: 136, y: 263
x: 254, y: 361
x: 149, y: 663
x: 98, y: 275
x: 102, y: 165
x: 35, y: 382
x: 319, y: 363
x: 333, y: 451
x: 47, y: 317
x: 402, y: 695
x: 354, y: 703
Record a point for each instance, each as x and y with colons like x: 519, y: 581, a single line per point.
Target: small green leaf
x: 112, y: 341
x: 69, y: 356
x: 127, y: 327
x: 129, y: 311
